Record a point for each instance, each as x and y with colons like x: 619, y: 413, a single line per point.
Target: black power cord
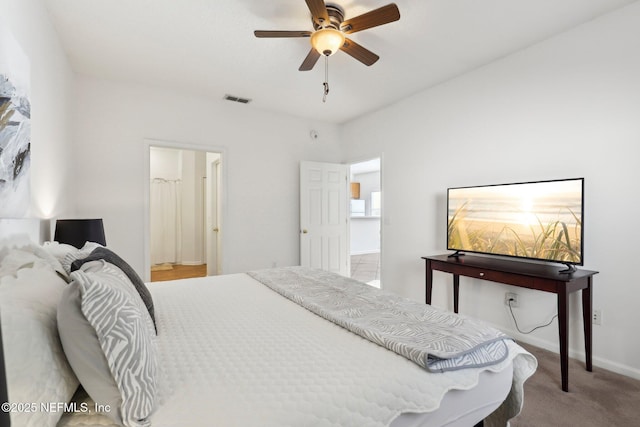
x: 516, y: 322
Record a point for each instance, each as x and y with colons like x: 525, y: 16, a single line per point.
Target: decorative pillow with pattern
x: 109, y: 339
x: 101, y: 253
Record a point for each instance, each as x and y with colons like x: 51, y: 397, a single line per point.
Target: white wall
x: 52, y: 190
x: 567, y: 107
x: 261, y: 155
x: 364, y: 234
x: 165, y: 163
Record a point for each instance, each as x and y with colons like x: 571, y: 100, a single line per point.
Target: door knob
x: 304, y: 231
x: 216, y: 229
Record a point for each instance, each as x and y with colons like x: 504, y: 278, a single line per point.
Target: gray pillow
x: 108, y: 337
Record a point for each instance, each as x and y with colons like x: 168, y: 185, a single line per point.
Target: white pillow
x: 109, y: 339
x: 59, y: 250
x: 24, y: 254
x: 37, y: 369
x: 28, y: 257
x: 14, y: 241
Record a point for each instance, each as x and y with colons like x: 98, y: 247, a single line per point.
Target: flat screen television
x: 534, y: 220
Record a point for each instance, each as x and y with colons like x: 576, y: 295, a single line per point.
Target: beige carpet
x: 595, y: 399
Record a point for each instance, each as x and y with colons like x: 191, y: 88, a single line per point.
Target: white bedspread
x: 235, y: 353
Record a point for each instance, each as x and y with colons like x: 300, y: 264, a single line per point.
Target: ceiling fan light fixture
x: 327, y: 41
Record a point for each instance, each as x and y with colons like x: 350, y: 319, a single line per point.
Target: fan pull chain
x: 326, y: 78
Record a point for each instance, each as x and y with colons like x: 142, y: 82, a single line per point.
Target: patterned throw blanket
x: 435, y: 339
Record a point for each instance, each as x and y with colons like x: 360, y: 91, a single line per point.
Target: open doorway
x: 366, y: 212
x: 184, y: 191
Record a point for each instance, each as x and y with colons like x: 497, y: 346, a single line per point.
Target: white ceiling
x: 208, y: 46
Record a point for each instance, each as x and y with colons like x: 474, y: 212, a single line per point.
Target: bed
x: 272, y: 347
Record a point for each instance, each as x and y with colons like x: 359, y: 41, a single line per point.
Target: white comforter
x: 235, y: 353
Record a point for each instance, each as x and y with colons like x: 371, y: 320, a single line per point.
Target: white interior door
x: 324, y: 223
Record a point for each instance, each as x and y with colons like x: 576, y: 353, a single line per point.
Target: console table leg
x: 587, y: 316
x: 563, y: 302
x: 456, y: 292
x: 428, y: 281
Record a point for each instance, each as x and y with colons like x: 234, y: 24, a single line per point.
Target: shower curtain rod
x: 166, y: 180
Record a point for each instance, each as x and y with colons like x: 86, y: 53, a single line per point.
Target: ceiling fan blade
x: 310, y: 60
x: 380, y: 16
x: 358, y: 52
x: 268, y: 34
x: 318, y: 11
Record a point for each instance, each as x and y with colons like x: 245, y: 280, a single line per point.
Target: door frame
x: 212, y: 214
x: 222, y: 198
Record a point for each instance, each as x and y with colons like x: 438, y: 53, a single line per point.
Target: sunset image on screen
x: 540, y: 220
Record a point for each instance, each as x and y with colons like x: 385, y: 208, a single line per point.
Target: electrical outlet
x: 511, y: 298
x: 597, y: 317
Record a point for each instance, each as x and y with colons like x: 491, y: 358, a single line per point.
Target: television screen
x: 536, y: 220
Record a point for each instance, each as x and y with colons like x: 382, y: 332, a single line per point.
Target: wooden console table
x: 541, y: 277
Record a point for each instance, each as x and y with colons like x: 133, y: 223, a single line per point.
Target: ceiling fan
x: 330, y: 28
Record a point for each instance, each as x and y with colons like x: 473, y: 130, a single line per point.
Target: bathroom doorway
x: 184, y: 213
